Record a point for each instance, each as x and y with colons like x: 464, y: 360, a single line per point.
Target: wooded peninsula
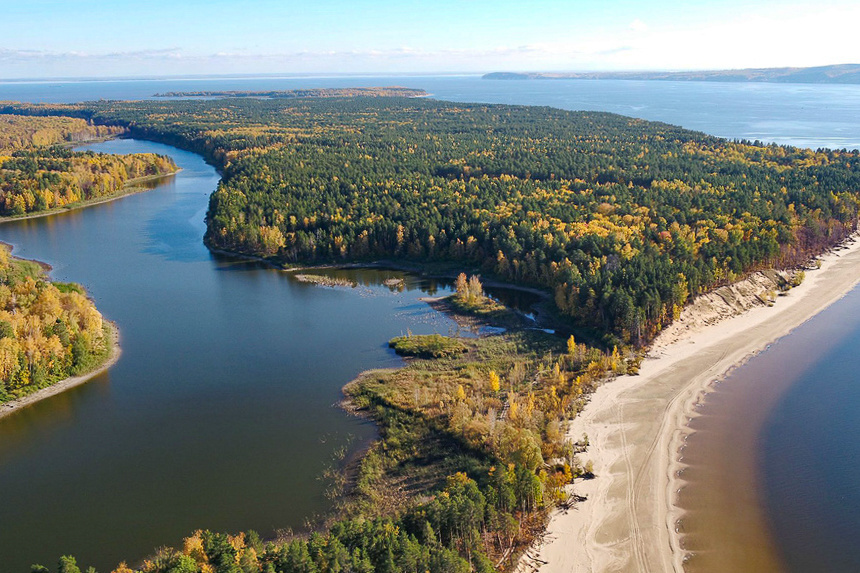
x: 391, y: 91
x: 48, y: 330
x: 620, y: 221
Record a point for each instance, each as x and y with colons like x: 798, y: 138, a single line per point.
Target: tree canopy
x: 48, y: 331
x: 36, y: 173
x: 621, y: 219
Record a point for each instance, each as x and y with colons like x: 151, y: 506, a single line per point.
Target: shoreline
x: 129, y: 188
x: 629, y: 518
x: 13, y: 406
x: 416, y: 269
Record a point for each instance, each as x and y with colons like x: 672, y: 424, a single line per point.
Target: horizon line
x: 380, y: 74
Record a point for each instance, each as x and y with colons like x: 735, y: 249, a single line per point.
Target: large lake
x: 219, y: 413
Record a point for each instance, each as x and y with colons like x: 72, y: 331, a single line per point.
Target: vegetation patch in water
x: 323, y: 280
x: 427, y: 346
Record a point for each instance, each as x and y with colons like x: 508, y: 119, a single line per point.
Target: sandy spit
x: 636, y: 426
x: 63, y: 385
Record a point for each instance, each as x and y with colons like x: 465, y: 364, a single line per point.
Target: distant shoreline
x: 313, y: 93
x: 841, y: 74
x: 8, y: 408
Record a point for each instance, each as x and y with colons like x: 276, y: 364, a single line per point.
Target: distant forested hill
x: 836, y: 74
x: 622, y: 220
x: 392, y: 91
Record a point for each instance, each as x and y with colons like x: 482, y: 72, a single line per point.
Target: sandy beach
x: 636, y: 426
x: 63, y: 385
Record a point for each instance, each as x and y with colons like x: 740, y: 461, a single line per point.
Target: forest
x: 19, y: 132
x: 48, y: 331
x: 390, y: 91
x: 37, y: 173
x: 620, y: 221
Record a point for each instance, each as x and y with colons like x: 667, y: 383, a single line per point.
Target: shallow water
x: 772, y: 465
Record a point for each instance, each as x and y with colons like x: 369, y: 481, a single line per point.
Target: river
x: 219, y: 413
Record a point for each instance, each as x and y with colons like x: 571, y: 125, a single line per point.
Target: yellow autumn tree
x: 513, y: 410
x: 494, y: 381
x: 461, y: 285
x: 46, y: 333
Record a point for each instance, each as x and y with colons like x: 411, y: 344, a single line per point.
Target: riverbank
x: 131, y: 187
x: 636, y: 426
x: 540, y: 311
x: 445, y: 271
x: 13, y: 406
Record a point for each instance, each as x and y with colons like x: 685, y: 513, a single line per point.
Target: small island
x: 427, y: 346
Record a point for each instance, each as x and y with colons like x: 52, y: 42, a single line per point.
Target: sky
x: 105, y: 38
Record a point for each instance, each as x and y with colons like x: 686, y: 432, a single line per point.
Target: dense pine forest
x: 620, y: 220
x: 38, y: 174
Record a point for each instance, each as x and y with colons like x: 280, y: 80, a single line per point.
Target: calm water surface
x: 811, y: 456
x: 219, y: 413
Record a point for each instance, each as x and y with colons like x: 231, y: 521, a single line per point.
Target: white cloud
x: 638, y: 25
x: 23, y: 55
x: 790, y: 37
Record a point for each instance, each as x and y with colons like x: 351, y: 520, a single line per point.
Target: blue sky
x: 50, y: 38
